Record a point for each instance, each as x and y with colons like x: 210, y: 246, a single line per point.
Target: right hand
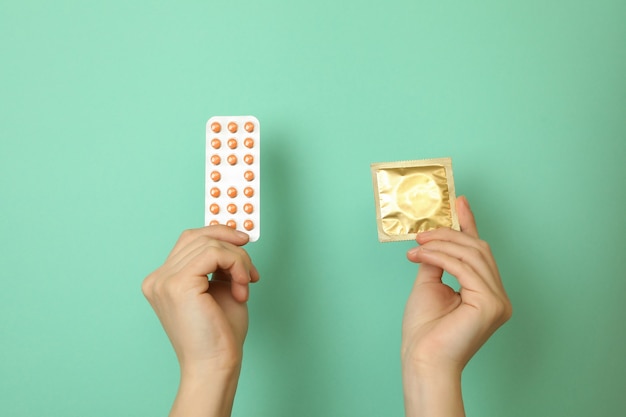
x: 442, y: 329
x: 206, y: 321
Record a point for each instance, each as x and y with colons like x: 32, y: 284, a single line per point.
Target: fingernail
x: 241, y: 234
x: 415, y: 251
x: 466, y: 202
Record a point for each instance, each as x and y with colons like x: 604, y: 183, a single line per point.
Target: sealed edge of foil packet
x: 413, y: 197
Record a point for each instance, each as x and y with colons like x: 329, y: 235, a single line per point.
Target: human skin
x: 206, y: 321
x: 442, y: 329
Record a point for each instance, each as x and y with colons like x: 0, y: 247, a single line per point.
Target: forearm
x: 433, y: 393
x: 209, y: 395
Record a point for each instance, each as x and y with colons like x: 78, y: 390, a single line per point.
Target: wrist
x: 206, y: 392
x: 202, y: 369
x: 431, y: 369
x: 430, y: 363
x: 209, y: 375
x: 431, y: 390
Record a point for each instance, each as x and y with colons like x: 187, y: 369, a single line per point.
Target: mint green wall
x: 102, y: 113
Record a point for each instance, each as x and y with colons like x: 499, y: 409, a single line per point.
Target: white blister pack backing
x: 233, y: 180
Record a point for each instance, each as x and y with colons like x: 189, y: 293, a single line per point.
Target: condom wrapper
x: 413, y: 197
x: 232, y: 182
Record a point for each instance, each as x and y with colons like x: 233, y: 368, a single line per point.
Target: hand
x: 442, y: 329
x: 206, y: 321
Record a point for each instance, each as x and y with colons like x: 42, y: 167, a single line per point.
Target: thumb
x: 428, y: 274
x: 466, y: 217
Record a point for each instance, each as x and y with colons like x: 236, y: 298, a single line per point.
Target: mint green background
x: 102, y: 113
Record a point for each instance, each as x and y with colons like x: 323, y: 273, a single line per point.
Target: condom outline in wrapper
x: 413, y: 197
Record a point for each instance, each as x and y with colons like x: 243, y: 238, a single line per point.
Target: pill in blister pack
x: 413, y: 197
x: 233, y: 173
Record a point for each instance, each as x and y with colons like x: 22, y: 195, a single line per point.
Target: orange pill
x: 215, y: 192
x: 232, y: 192
x: 213, y: 222
x: 214, y: 208
x: 248, y: 191
x: 248, y: 225
x: 248, y: 159
x: 248, y: 208
x: 232, y: 209
x: 232, y: 143
x: 215, y: 159
x: 248, y: 175
x: 232, y: 127
x: 216, y: 176
x: 216, y: 127
x: 249, y: 126
x: 231, y: 224
x: 248, y: 143
x: 232, y: 159
x: 216, y: 143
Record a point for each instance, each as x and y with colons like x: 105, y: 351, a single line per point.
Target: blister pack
x: 233, y: 192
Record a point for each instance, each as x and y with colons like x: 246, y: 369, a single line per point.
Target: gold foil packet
x: 413, y: 197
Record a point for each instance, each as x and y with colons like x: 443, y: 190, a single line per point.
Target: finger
x: 214, y: 256
x: 179, y: 260
x: 254, y: 273
x: 236, y: 265
x: 466, y: 217
x: 224, y: 276
x: 240, y: 290
x: 459, y: 238
x: 482, y: 264
x: 447, y: 234
x: 428, y: 274
x: 218, y: 232
x: 464, y: 273
x: 225, y: 261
